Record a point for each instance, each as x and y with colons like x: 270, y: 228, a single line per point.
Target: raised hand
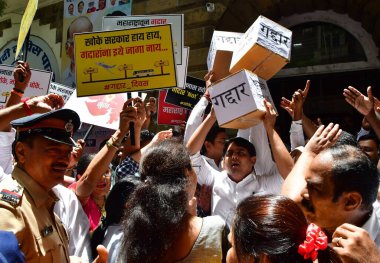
x: 46, y: 103
x: 270, y: 116
x: 76, y: 153
x: 162, y: 135
x: 295, y: 106
x: 141, y: 111
x: 23, y: 70
x: 359, y: 101
x: 323, y: 138
x: 151, y: 106
x: 127, y: 115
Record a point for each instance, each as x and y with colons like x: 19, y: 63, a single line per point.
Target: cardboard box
x: 264, y: 49
x: 220, y: 54
x: 238, y: 100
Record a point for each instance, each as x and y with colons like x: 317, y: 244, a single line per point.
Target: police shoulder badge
x: 11, y: 192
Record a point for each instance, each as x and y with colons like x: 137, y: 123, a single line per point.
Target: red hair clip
x: 315, y: 240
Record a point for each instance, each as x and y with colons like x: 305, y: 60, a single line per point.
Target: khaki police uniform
x: 26, y: 209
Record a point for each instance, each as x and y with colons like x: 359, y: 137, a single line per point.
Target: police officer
x: 42, y: 151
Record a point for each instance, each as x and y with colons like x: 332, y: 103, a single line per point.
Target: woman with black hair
x: 269, y: 228
x: 109, y: 233
x: 160, y: 222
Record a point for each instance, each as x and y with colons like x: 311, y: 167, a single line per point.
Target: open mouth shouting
x: 235, y: 165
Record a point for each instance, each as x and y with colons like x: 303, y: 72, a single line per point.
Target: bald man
x: 79, y: 25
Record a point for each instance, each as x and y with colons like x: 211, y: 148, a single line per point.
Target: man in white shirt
x: 212, y: 147
x: 246, y: 172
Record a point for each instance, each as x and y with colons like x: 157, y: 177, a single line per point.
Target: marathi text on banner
x: 124, y: 60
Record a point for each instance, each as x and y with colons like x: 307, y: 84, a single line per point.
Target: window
x: 319, y: 43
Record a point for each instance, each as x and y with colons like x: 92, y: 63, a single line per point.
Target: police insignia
x: 69, y: 126
x: 10, y: 197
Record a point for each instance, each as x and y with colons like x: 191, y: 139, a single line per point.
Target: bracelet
x: 26, y: 107
x: 18, y: 90
x: 111, y: 144
x: 17, y: 93
x: 114, y: 142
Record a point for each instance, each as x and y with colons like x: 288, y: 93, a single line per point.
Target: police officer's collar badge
x: 69, y: 126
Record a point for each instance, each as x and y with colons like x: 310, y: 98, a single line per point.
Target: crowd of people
x: 202, y: 196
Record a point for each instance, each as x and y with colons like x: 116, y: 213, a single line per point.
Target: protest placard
x: 182, y: 69
x: 124, y: 60
x: 176, y: 21
x: 188, y: 97
x: 61, y: 90
x: 84, y: 16
x: 95, y: 138
x: 220, y: 53
x: 238, y: 100
x: 26, y: 22
x: 102, y: 110
x: 264, y: 49
x: 38, y: 84
x: 168, y: 114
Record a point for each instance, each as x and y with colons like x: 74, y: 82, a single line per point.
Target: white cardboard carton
x: 220, y: 54
x: 238, y: 100
x: 264, y: 49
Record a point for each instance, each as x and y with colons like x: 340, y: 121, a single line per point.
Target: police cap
x: 58, y: 125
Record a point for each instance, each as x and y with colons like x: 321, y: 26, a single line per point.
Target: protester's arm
x: 364, y: 105
x: 353, y: 244
x: 281, y: 155
x: 100, y: 163
x: 196, y: 115
x: 323, y: 138
x: 39, y: 104
x: 22, y: 69
x: 197, y: 139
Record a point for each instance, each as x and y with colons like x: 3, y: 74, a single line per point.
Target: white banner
x: 38, y: 84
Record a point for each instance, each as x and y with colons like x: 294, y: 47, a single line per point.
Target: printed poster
x: 188, y: 97
x: 168, y: 114
x: 102, y: 67
x: 181, y: 70
x: 61, y: 90
x: 81, y: 16
x: 102, y: 110
x: 176, y: 21
x: 38, y: 84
